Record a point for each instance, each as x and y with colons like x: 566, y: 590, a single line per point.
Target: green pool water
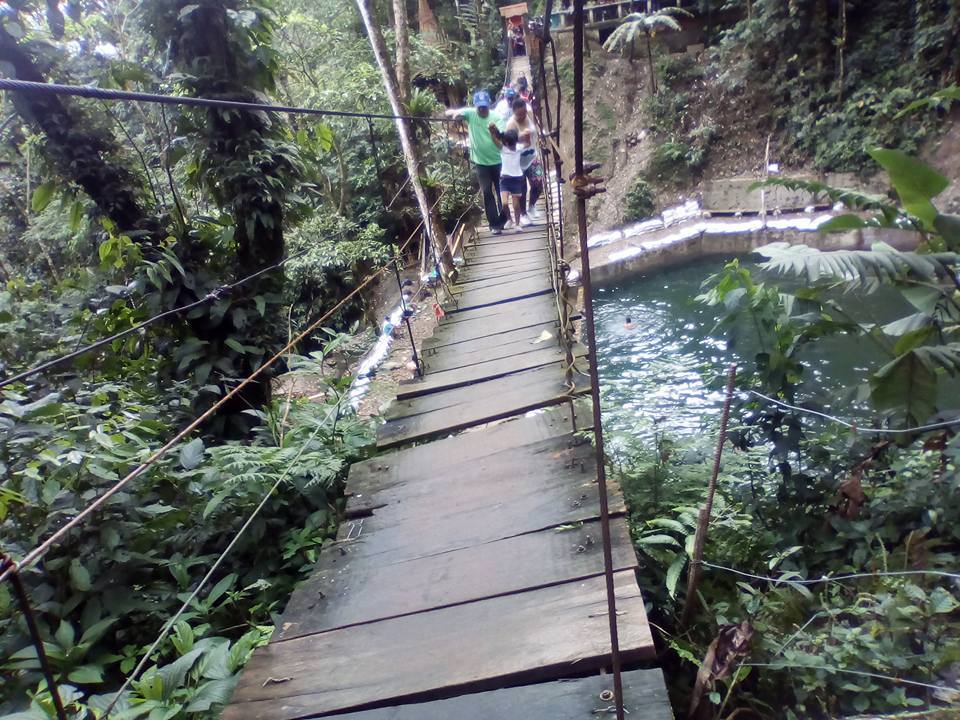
x: 670, y: 368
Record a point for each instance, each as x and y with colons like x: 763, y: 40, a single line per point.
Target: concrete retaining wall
x: 623, y: 259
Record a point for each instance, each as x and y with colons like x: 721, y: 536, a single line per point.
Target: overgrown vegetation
x: 823, y: 80
x: 640, y: 202
x: 802, y: 499
x: 111, y: 213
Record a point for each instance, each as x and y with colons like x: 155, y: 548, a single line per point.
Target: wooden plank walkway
x: 467, y: 580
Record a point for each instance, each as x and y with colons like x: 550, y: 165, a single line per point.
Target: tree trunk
x: 653, y: 75
x: 410, y: 155
x: 427, y: 22
x: 75, y: 148
x: 402, y: 31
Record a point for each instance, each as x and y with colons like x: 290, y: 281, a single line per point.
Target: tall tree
x: 410, y: 152
x: 78, y: 148
x: 401, y: 29
x: 243, y: 160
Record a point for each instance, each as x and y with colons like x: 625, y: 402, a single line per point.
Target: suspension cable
x: 168, y: 626
x: 214, y: 294
x: 43, y: 548
x: 834, y: 578
x: 853, y: 426
x: 88, y: 91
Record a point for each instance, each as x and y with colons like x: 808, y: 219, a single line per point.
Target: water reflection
x: 656, y: 371
x: 670, y: 368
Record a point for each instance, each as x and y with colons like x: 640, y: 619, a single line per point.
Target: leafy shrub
x: 639, y: 201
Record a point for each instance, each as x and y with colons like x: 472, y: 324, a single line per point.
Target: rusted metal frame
x: 6, y: 563
x: 581, y: 195
x: 396, y: 256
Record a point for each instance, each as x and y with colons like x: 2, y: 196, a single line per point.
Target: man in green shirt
x: 484, y: 154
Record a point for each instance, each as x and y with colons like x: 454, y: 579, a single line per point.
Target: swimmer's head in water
x: 628, y: 321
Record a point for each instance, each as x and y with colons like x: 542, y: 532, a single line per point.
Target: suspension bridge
x: 485, y: 568
x: 469, y: 580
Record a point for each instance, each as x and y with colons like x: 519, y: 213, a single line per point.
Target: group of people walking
x: 503, y: 150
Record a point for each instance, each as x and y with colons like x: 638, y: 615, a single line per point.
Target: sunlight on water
x: 671, y: 367
x: 656, y: 371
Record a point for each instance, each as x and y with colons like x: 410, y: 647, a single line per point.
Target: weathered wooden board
x: 388, y: 536
x: 541, y: 634
x: 407, y: 465
x: 565, y: 456
x: 512, y: 342
x: 502, y: 292
x: 503, y: 252
x: 344, y: 590
x: 540, y: 256
x: 644, y: 697
x: 451, y: 410
x: 535, y: 356
x: 518, y: 308
x: 465, y: 281
x: 492, y: 331
x: 500, y: 269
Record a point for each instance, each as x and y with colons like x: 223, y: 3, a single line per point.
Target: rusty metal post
x: 24, y: 601
x: 703, y: 521
x: 579, y: 177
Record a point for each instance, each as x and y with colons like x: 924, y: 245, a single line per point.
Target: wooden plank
x: 518, y: 309
x: 388, y: 535
x: 452, y: 410
x: 457, y: 356
x: 542, y: 634
x: 344, y: 590
x: 504, y: 292
x: 541, y: 259
x: 534, y: 357
x: 495, y: 270
x: 392, y: 483
x: 505, y: 284
x: 408, y: 464
x: 644, y: 697
x: 507, y: 250
x: 466, y: 280
x: 448, y: 346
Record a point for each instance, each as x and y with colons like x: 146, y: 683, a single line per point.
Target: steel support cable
x: 833, y: 578
x: 578, y: 41
x: 854, y: 426
x: 215, y: 294
x: 168, y: 626
x: 38, y: 552
x: 88, y: 91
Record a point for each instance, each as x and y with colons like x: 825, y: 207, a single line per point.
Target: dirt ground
x: 616, y: 135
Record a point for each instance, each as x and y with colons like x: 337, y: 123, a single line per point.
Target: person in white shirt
x: 527, y: 133
x: 511, y: 176
x: 504, y: 106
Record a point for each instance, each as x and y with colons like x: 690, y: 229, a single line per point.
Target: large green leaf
x: 191, y: 454
x: 42, y: 196
x: 214, y: 692
x: 915, y: 182
x: 906, y: 384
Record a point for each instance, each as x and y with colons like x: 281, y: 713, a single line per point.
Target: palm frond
x: 865, y: 269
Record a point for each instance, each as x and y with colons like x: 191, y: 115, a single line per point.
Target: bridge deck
x: 470, y: 564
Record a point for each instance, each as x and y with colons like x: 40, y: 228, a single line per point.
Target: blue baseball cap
x: 481, y: 99
x: 511, y: 93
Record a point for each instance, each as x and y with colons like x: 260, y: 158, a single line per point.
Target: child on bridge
x: 512, y: 180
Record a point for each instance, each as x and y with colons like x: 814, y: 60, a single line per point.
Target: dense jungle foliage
x: 113, y: 212
x: 824, y: 79
x: 802, y: 498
